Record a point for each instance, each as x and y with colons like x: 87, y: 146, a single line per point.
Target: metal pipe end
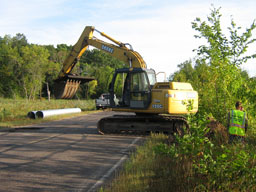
x: 31, y: 115
x: 39, y: 114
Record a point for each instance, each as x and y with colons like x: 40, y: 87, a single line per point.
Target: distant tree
x: 216, y: 73
x: 9, y: 60
x: 34, y: 65
x: 101, y: 66
x: 56, y: 59
x: 223, y: 57
x: 185, y: 72
x: 91, y: 88
x: 19, y: 40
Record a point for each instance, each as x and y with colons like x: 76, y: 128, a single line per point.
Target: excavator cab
x: 132, y: 87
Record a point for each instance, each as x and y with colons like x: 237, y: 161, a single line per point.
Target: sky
x: 160, y: 30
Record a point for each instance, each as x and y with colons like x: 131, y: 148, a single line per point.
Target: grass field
x: 14, y: 112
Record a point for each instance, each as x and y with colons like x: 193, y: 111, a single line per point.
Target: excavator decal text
x: 106, y: 48
x: 157, y: 106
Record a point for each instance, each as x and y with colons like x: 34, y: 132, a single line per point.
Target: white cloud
x: 17, y: 12
x: 159, y: 30
x: 164, y: 40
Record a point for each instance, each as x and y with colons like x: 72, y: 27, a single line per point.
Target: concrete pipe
x: 52, y: 112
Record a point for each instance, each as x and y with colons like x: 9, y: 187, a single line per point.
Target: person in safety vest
x: 237, y: 124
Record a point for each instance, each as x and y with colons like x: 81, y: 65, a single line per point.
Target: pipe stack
x: 52, y: 112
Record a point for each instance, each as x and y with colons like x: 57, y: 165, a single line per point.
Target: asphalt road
x: 66, y: 155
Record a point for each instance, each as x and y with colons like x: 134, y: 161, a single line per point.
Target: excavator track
x: 142, y: 125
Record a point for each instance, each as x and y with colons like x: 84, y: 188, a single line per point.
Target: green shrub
x: 204, y: 165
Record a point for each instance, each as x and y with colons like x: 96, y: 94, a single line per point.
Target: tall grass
x: 192, y: 163
x: 140, y: 172
x: 14, y: 111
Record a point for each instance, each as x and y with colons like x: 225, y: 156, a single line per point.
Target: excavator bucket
x: 66, y: 87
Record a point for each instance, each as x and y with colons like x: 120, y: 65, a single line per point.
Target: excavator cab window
x: 151, y: 77
x: 132, y: 87
x: 121, y: 89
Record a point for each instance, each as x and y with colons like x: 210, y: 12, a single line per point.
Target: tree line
x: 26, y: 69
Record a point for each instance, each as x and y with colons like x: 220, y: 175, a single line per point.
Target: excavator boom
x: 67, y: 84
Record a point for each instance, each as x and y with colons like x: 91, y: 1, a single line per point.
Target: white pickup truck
x: 103, y: 101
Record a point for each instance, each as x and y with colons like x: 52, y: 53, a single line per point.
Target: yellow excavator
x: 156, y: 106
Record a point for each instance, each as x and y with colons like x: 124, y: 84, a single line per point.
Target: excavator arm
x: 67, y: 84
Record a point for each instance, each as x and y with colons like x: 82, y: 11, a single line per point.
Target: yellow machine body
x: 174, y: 98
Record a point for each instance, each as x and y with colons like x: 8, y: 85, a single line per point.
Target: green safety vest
x: 237, y: 123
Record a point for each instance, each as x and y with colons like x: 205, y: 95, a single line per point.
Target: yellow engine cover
x: 173, y: 98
